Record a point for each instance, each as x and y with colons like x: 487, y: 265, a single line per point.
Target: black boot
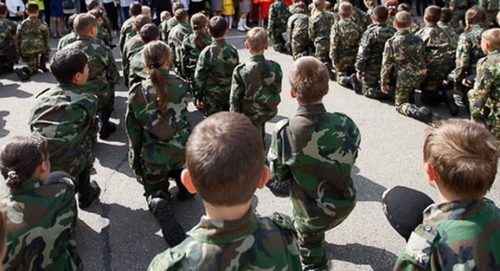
x: 329, y: 67
x: 182, y: 193
x: 88, y: 191
x: 162, y: 209
x: 422, y: 114
x: 279, y: 189
x: 356, y: 85
x: 23, y: 73
x: 450, y: 103
x: 42, y: 65
x: 106, y: 128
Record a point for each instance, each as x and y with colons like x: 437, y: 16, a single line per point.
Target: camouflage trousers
x: 278, y: 40
x: 405, y: 88
x: 458, y: 16
x: 299, y: 49
x: 323, y: 51
x: 493, y: 124
x: 312, y: 252
x: 214, y: 103
x: 32, y: 62
x: 156, y: 182
x: 7, y: 64
x: 371, y: 84
x: 345, y: 70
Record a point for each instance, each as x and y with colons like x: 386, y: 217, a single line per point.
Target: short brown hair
x: 464, y: 154
x: 492, y: 38
x: 309, y: 79
x: 380, y: 13
x: 257, y: 39
x: 403, y: 19
x: 32, y: 7
x: 225, y: 159
x: 97, y: 13
x: 83, y: 22
x: 165, y: 15
x: 140, y: 21
x: 319, y: 5
x: 433, y: 13
x: 345, y: 9
x: 446, y: 15
x: 180, y: 14
x: 135, y: 8
x: 217, y: 26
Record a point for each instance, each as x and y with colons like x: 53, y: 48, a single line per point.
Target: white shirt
x: 12, y: 6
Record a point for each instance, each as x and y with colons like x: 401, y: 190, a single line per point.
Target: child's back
x: 8, y: 49
x: 320, y: 25
x: 297, y: 33
x: 278, y: 17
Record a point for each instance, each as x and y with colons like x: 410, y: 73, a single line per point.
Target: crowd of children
x: 311, y: 156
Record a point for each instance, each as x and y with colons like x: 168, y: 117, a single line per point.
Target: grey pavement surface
x: 119, y: 233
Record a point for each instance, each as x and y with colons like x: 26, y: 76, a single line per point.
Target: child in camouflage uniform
x: 126, y: 32
x: 484, y: 98
x: 256, y: 85
x: 461, y: 232
x: 133, y: 45
x: 8, y: 49
x: 65, y: 117
x: 278, y: 17
x: 41, y: 209
x: 371, y: 47
x: 296, y: 30
x: 70, y: 37
x: 214, y: 70
x: 157, y: 129
x: 33, y: 43
x: 320, y: 25
x: 315, y: 151
x: 176, y: 36
x: 224, y: 155
x: 403, y: 68
x: 162, y: 27
x: 344, y: 43
x: 102, y: 32
x: 136, y: 72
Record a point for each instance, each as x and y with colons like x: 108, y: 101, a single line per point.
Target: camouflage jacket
x: 157, y: 141
x: 451, y: 32
x: 484, y: 98
x: 403, y: 57
x: 126, y: 32
x: 464, y: 4
x: 162, y: 28
x: 40, y: 225
x: 468, y: 52
x: 249, y: 243
x: 316, y: 151
x: 214, y: 70
x: 103, y: 73
x: 320, y: 25
x: 489, y: 5
x: 278, y: 16
x: 457, y: 235
x: 256, y: 88
x: 8, y: 38
x: 175, y: 38
x: 67, y: 39
x: 33, y: 37
x: 104, y: 35
x: 64, y: 116
x: 132, y: 46
x: 190, y: 53
x: 371, y: 47
x: 297, y: 32
x: 136, y: 72
x: 171, y: 23
x: 344, y: 42
x: 438, y: 48
x: 361, y: 19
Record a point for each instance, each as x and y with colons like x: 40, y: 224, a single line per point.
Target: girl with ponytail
x: 158, y: 129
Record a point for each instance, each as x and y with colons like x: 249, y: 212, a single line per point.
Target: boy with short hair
x: 461, y: 232
x: 102, y: 32
x: 223, y: 155
x: 371, y: 47
x: 171, y: 22
x: 133, y: 45
x: 320, y: 25
x: 278, y: 17
x: 296, y: 30
x: 214, y: 70
x: 256, y: 85
x: 126, y: 32
x: 64, y: 116
x: 136, y: 72
x: 484, y: 98
x: 8, y: 49
x: 344, y: 43
x: 162, y: 27
x: 403, y: 68
x: 103, y: 71
x: 33, y: 38
x: 322, y: 190
x: 176, y: 36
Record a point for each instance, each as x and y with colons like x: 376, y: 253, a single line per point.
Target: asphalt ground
x: 119, y: 233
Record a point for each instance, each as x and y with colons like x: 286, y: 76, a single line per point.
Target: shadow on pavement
x: 3, y: 132
x: 367, y: 190
x: 12, y: 90
x: 379, y: 259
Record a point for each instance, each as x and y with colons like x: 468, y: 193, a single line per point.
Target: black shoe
x: 450, y: 103
x: 425, y: 115
x: 279, y: 189
x: 106, y: 130
x: 42, y: 65
x: 172, y: 231
x: 92, y: 193
x: 22, y: 74
x: 356, y: 85
x: 329, y: 68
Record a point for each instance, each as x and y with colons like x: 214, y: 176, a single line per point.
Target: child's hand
x: 138, y: 178
x: 200, y: 104
x: 359, y: 76
x: 385, y: 89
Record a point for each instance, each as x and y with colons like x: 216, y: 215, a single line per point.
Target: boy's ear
x: 247, y: 46
x: 292, y: 93
x: 264, y: 177
x: 432, y: 176
x: 187, y: 181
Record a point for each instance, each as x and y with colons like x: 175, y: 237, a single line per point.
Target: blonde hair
x: 492, y: 37
x: 257, y: 39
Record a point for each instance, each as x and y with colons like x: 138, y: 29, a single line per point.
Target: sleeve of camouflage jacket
x: 112, y: 70
x: 364, y: 52
x: 134, y: 130
x: 464, y: 50
x: 279, y: 152
x: 481, y: 91
x: 237, y: 90
x: 200, y: 74
x: 311, y: 30
x: 272, y: 19
x: 387, y: 65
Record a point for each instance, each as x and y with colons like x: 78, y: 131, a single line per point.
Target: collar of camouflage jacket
x: 26, y: 186
x: 453, y: 210
x: 311, y: 109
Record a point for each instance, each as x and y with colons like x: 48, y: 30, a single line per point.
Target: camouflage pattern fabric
x: 255, y: 90
x: 484, y: 99
x: 459, y: 9
x: 103, y: 73
x: 190, y: 53
x: 136, y: 72
x: 8, y: 39
x: 65, y: 117
x: 320, y: 25
x: 175, y: 38
x: 439, y: 56
x: 298, y: 35
x: 33, y: 40
x: 468, y: 53
x: 278, y: 17
x: 492, y: 7
x: 67, y: 39
x: 132, y: 46
x: 403, y: 66
x: 170, y: 24
x: 451, y: 32
x: 107, y: 25
x: 104, y: 35
x: 344, y: 43
x: 157, y: 142
x: 249, y: 243
x: 162, y: 30
x: 369, y: 57
x: 126, y: 32
x: 213, y: 74
x: 40, y: 225
x: 457, y: 235
x: 316, y: 151
x: 361, y: 19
